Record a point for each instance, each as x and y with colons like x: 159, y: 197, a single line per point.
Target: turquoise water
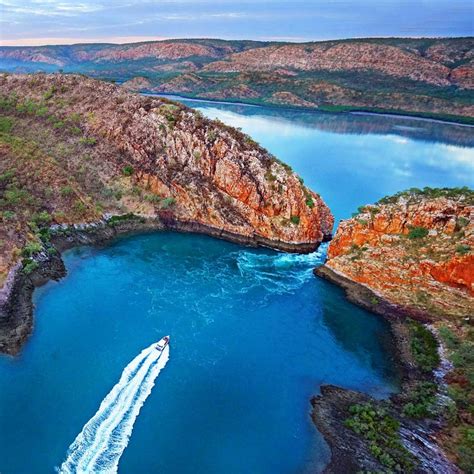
x: 253, y: 333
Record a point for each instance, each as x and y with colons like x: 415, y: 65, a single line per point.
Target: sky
x: 33, y: 22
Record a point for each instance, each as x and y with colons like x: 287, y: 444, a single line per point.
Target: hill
x: 432, y: 77
x: 77, y: 154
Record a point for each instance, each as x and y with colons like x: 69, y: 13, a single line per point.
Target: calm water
x: 353, y: 159
x: 253, y: 333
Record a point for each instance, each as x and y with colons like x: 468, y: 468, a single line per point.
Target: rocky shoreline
x: 16, y: 306
x: 349, y: 451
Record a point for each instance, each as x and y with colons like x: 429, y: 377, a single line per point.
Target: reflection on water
x: 352, y: 159
x: 352, y: 122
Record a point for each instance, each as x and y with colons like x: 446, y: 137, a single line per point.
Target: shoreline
x: 458, y: 120
x: 331, y: 408
x: 17, y: 312
x: 16, y: 306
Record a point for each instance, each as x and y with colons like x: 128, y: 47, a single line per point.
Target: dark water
x: 253, y: 333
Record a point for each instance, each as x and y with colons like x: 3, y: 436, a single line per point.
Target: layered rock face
x: 336, y: 57
x: 160, y: 159
x: 415, y: 250
x: 430, y: 76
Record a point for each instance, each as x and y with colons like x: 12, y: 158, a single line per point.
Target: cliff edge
x: 77, y: 151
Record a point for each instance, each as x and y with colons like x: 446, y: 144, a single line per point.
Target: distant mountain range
x: 427, y: 76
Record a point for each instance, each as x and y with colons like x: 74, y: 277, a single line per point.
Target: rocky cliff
x: 426, y: 75
x: 80, y: 154
x: 96, y: 148
x: 411, y: 257
x: 415, y: 250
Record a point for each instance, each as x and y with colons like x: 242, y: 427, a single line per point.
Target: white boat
x: 162, y: 343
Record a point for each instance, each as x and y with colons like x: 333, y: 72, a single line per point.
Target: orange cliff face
x: 415, y: 251
x: 127, y: 153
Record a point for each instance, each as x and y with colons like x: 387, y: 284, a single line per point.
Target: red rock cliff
x: 415, y: 250
x: 206, y: 173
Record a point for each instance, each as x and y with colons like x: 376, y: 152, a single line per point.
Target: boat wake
x: 100, y: 444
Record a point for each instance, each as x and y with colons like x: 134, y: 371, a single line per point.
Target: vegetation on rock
x: 426, y: 76
x: 73, y: 149
x: 380, y: 430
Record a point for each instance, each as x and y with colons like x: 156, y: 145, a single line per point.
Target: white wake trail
x: 100, y: 444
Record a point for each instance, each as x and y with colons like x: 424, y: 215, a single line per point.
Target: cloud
x: 47, y: 8
x: 293, y: 20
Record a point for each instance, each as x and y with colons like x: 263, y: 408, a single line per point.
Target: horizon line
x: 122, y: 40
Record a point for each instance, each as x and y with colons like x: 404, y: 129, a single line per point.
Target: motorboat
x: 160, y: 345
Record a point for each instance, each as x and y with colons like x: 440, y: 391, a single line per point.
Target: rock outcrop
x: 215, y: 175
x: 427, y: 76
x: 414, y: 250
x: 354, y: 55
x: 75, y: 150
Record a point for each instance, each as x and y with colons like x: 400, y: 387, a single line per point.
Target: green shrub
x: 127, y: 170
x: 8, y: 103
x: 6, y: 124
x: 463, y: 356
x: 75, y: 117
x: 424, y: 347
x: 114, y: 220
x: 49, y: 93
x: 421, y: 401
x: 15, y: 195
x: 66, y: 190
x: 89, y: 141
x: 29, y: 266
x: 31, y: 248
x: 7, y: 176
x: 167, y: 202
x: 463, y: 249
x: 8, y: 214
x: 381, y: 432
x: 42, y: 217
x: 79, y: 207
x: 42, y: 111
x: 58, y: 124
x: 448, y: 337
x: 75, y: 130
x: 153, y: 198
x: 431, y: 193
x: 462, y: 222
x: 465, y: 449
x: 417, y: 233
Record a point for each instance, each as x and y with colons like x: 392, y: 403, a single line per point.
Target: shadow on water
x: 363, y: 334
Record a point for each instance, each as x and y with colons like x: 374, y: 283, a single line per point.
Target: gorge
x: 125, y: 288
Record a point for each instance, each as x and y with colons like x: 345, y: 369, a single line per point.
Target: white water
x: 100, y: 444
x: 282, y: 272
